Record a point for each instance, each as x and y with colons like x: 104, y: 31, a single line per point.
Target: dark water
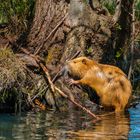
x: 72, y: 125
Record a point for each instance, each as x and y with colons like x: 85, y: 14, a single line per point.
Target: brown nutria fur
x: 110, y: 82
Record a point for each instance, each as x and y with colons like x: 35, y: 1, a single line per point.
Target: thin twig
x: 44, y: 69
x: 75, y: 55
x: 39, y: 48
x: 42, y: 66
x: 48, y: 76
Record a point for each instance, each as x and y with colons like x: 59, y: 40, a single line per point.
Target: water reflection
x: 134, y: 133
x: 69, y: 126
x: 110, y: 127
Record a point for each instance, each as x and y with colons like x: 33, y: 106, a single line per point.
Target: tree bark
x: 48, y: 13
x: 123, y: 33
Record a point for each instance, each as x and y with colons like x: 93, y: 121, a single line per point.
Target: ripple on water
x: 134, y: 133
x: 71, y: 125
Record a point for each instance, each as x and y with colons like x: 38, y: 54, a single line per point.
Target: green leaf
x: 89, y: 50
x: 118, y: 54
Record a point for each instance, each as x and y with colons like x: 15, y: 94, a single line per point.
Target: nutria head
x: 78, y: 67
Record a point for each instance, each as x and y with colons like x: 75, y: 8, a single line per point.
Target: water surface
x: 71, y: 125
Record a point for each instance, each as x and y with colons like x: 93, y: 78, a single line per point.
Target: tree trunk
x: 51, y: 26
x: 48, y: 13
x: 123, y: 33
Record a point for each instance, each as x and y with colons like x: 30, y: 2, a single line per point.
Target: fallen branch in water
x: 53, y: 87
x: 77, y: 104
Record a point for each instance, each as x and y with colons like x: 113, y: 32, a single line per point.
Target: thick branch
x: 132, y: 43
x: 117, y: 11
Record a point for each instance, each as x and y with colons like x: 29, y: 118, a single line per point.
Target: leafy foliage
x: 16, y: 13
x: 119, y: 53
x: 110, y: 5
x: 137, y: 9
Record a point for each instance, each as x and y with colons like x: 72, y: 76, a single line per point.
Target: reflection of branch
x: 53, y: 87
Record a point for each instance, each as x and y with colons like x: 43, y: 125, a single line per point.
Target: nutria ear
x: 84, y: 61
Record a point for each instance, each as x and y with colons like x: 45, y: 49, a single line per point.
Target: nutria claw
x: 72, y: 82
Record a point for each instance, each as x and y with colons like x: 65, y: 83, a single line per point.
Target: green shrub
x: 110, y: 5
x: 137, y: 9
x: 16, y: 13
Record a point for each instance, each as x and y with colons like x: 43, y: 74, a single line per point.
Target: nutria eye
x: 84, y: 61
x: 110, y: 73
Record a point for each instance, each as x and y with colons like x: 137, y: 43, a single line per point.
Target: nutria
x: 110, y: 82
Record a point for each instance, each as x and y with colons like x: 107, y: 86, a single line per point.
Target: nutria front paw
x: 72, y: 82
